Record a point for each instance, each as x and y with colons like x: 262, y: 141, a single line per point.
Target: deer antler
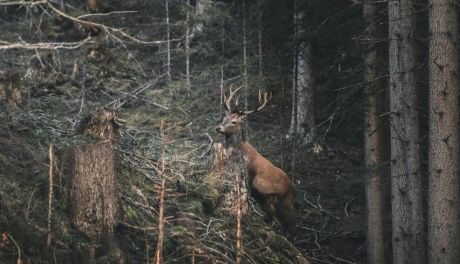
x: 262, y: 104
x: 227, y: 101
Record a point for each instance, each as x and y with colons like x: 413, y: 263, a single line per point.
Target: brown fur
x: 92, y: 6
x: 271, y: 187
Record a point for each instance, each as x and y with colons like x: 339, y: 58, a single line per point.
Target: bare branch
x: 31, y: 3
x: 109, y: 30
x: 5, y: 45
x: 106, y: 14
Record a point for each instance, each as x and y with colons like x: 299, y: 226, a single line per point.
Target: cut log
x: 10, y: 88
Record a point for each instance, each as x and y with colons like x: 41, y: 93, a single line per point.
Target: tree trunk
x: 406, y: 179
x: 373, y: 147
x: 10, y: 88
x: 187, y: 47
x: 303, y: 111
x: 168, y: 44
x: 443, y: 216
x: 259, y: 37
x: 245, y: 61
x: 198, y: 27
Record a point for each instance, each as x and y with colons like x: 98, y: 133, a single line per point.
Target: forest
x: 229, y: 131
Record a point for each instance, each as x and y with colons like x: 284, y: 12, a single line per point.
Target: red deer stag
x: 271, y: 187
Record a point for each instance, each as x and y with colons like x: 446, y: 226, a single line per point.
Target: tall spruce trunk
x: 187, y: 47
x: 303, y: 111
x: 260, y: 38
x: 245, y: 60
x: 443, y: 216
x: 373, y: 148
x: 168, y: 43
x: 408, y: 223
x: 198, y: 27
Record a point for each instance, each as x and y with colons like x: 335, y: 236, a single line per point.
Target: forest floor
x: 61, y: 86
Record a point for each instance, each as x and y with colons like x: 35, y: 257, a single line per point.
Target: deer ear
x: 244, y: 117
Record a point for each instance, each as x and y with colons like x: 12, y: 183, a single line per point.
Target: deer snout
x: 219, y: 128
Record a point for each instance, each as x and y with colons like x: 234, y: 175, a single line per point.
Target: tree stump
x: 10, y: 88
x: 94, y: 190
x: 228, y: 164
x: 91, y: 179
x: 102, y: 125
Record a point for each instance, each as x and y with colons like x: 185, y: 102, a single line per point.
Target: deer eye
x: 233, y: 122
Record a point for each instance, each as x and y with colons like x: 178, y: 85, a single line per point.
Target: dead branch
x: 238, y: 220
x: 162, y: 196
x: 18, y: 249
x: 50, y: 193
x: 106, y: 14
x: 109, y: 30
x: 5, y: 45
x: 139, y: 228
x: 29, y: 3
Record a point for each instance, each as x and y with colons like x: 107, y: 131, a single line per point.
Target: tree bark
x: 10, y: 88
x: 168, y: 43
x: 408, y: 227
x: 187, y: 47
x: 245, y: 61
x: 259, y: 38
x: 200, y: 8
x: 222, y: 63
x: 94, y: 190
x: 303, y: 111
x: 443, y: 216
x: 373, y: 147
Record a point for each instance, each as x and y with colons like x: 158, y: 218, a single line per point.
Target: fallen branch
x: 109, y: 30
x: 238, y: 220
x: 139, y: 228
x: 44, y: 45
x: 106, y: 14
x: 50, y: 193
x: 31, y: 3
x: 18, y: 249
x: 158, y: 254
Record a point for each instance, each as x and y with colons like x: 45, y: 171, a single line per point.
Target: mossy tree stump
x: 10, y: 88
x: 91, y: 178
x: 227, y: 165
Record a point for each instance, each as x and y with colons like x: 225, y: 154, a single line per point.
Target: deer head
x: 232, y: 122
